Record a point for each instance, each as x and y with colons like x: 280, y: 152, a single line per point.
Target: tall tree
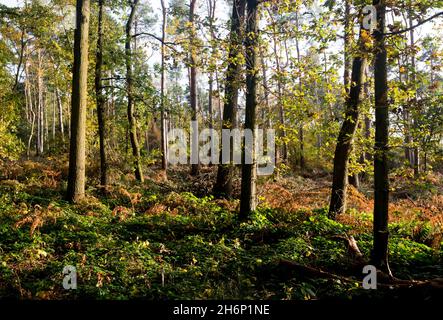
x: 283, y: 154
x: 40, y: 105
x: 195, y: 166
x: 100, y: 99
x: 381, y: 182
x: 211, y: 17
x: 223, y: 184
x: 347, y: 46
x: 346, y: 136
x: 130, y: 94
x: 162, y: 89
x: 248, y: 201
x: 301, y: 133
x: 76, y: 181
x: 416, y: 151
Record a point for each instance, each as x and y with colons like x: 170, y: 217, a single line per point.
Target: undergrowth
x: 150, y: 244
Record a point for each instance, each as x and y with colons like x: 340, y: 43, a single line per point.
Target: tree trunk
x: 195, y: 166
x: 212, y: 8
x: 281, y: 113
x: 23, y: 43
x: 60, y: 113
x: 402, y: 60
x: 162, y: 93
x: 40, y: 107
x: 54, y: 107
x: 266, y: 119
x: 381, y: 181
x: 130, y: 96
x: 416, y: 150
x: 164, y: 146
x: 76, y: 182
x: 346, y: 136
x: 100, y: 99
x: 248, y: 201
x: 30, y: 107
x: 347, y: 46
x: 223, y: 184
x: 354, y: 179
x: 301, y: 134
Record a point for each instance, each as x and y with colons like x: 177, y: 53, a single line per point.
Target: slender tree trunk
x: 407, y: 125
x: 347, y: 46
x: 301, y: 135
x: 266, y: 110
x: 219, y: 100
x: 54, y: 107
x: 69, y: 119
x: 60, y: 113
x: 381, y: 181
x: 211, y: 12
x: 346, y: 136
x: 130, y: 96
x: 30, y: 107
x: 164, y: 146
x: 21, y: 57
x: 354, y: 179
x: 40, y: 119
x: 248, y: 201
x: 368, y: 123
x: 45, y: 117
x: 225, y: 173
x: 404, y: 80
x: 416, y: 150
x: 195, y: 167
x: 76, y: 181
x: 100, y: 99
x: 281, y: 112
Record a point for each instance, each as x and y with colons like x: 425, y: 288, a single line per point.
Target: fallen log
x: 384, y: 281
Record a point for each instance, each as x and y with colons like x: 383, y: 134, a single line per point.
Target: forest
x: 221, y: 150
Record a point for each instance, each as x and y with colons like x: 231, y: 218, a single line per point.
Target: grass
x: 151, y: 243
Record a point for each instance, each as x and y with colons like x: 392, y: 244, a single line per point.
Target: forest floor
x: 172, y: 240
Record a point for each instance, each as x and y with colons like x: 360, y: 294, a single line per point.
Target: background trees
x: 303, y: 55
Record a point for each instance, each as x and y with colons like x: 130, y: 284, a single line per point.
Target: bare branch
x: 413, y: 27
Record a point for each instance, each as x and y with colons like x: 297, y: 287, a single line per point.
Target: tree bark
x: 60, y: 113
x: 281, y: 111
x: 223, y: 184
x: 347, y: 46
x: 130, y: 96
x: 164, y: 146
x: 100, y: 99
x: 248, y: 201
x: 266, y: 119
x: 381, y: 181
x: 211, y: 13
x: 54, y: 107
x: 301, y: 134
x: 416, y: 150
x: 30, y: 107
x: 40, y: 107
x: 346, y: 136
x: 195, y: 167
x: 76, y: 181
